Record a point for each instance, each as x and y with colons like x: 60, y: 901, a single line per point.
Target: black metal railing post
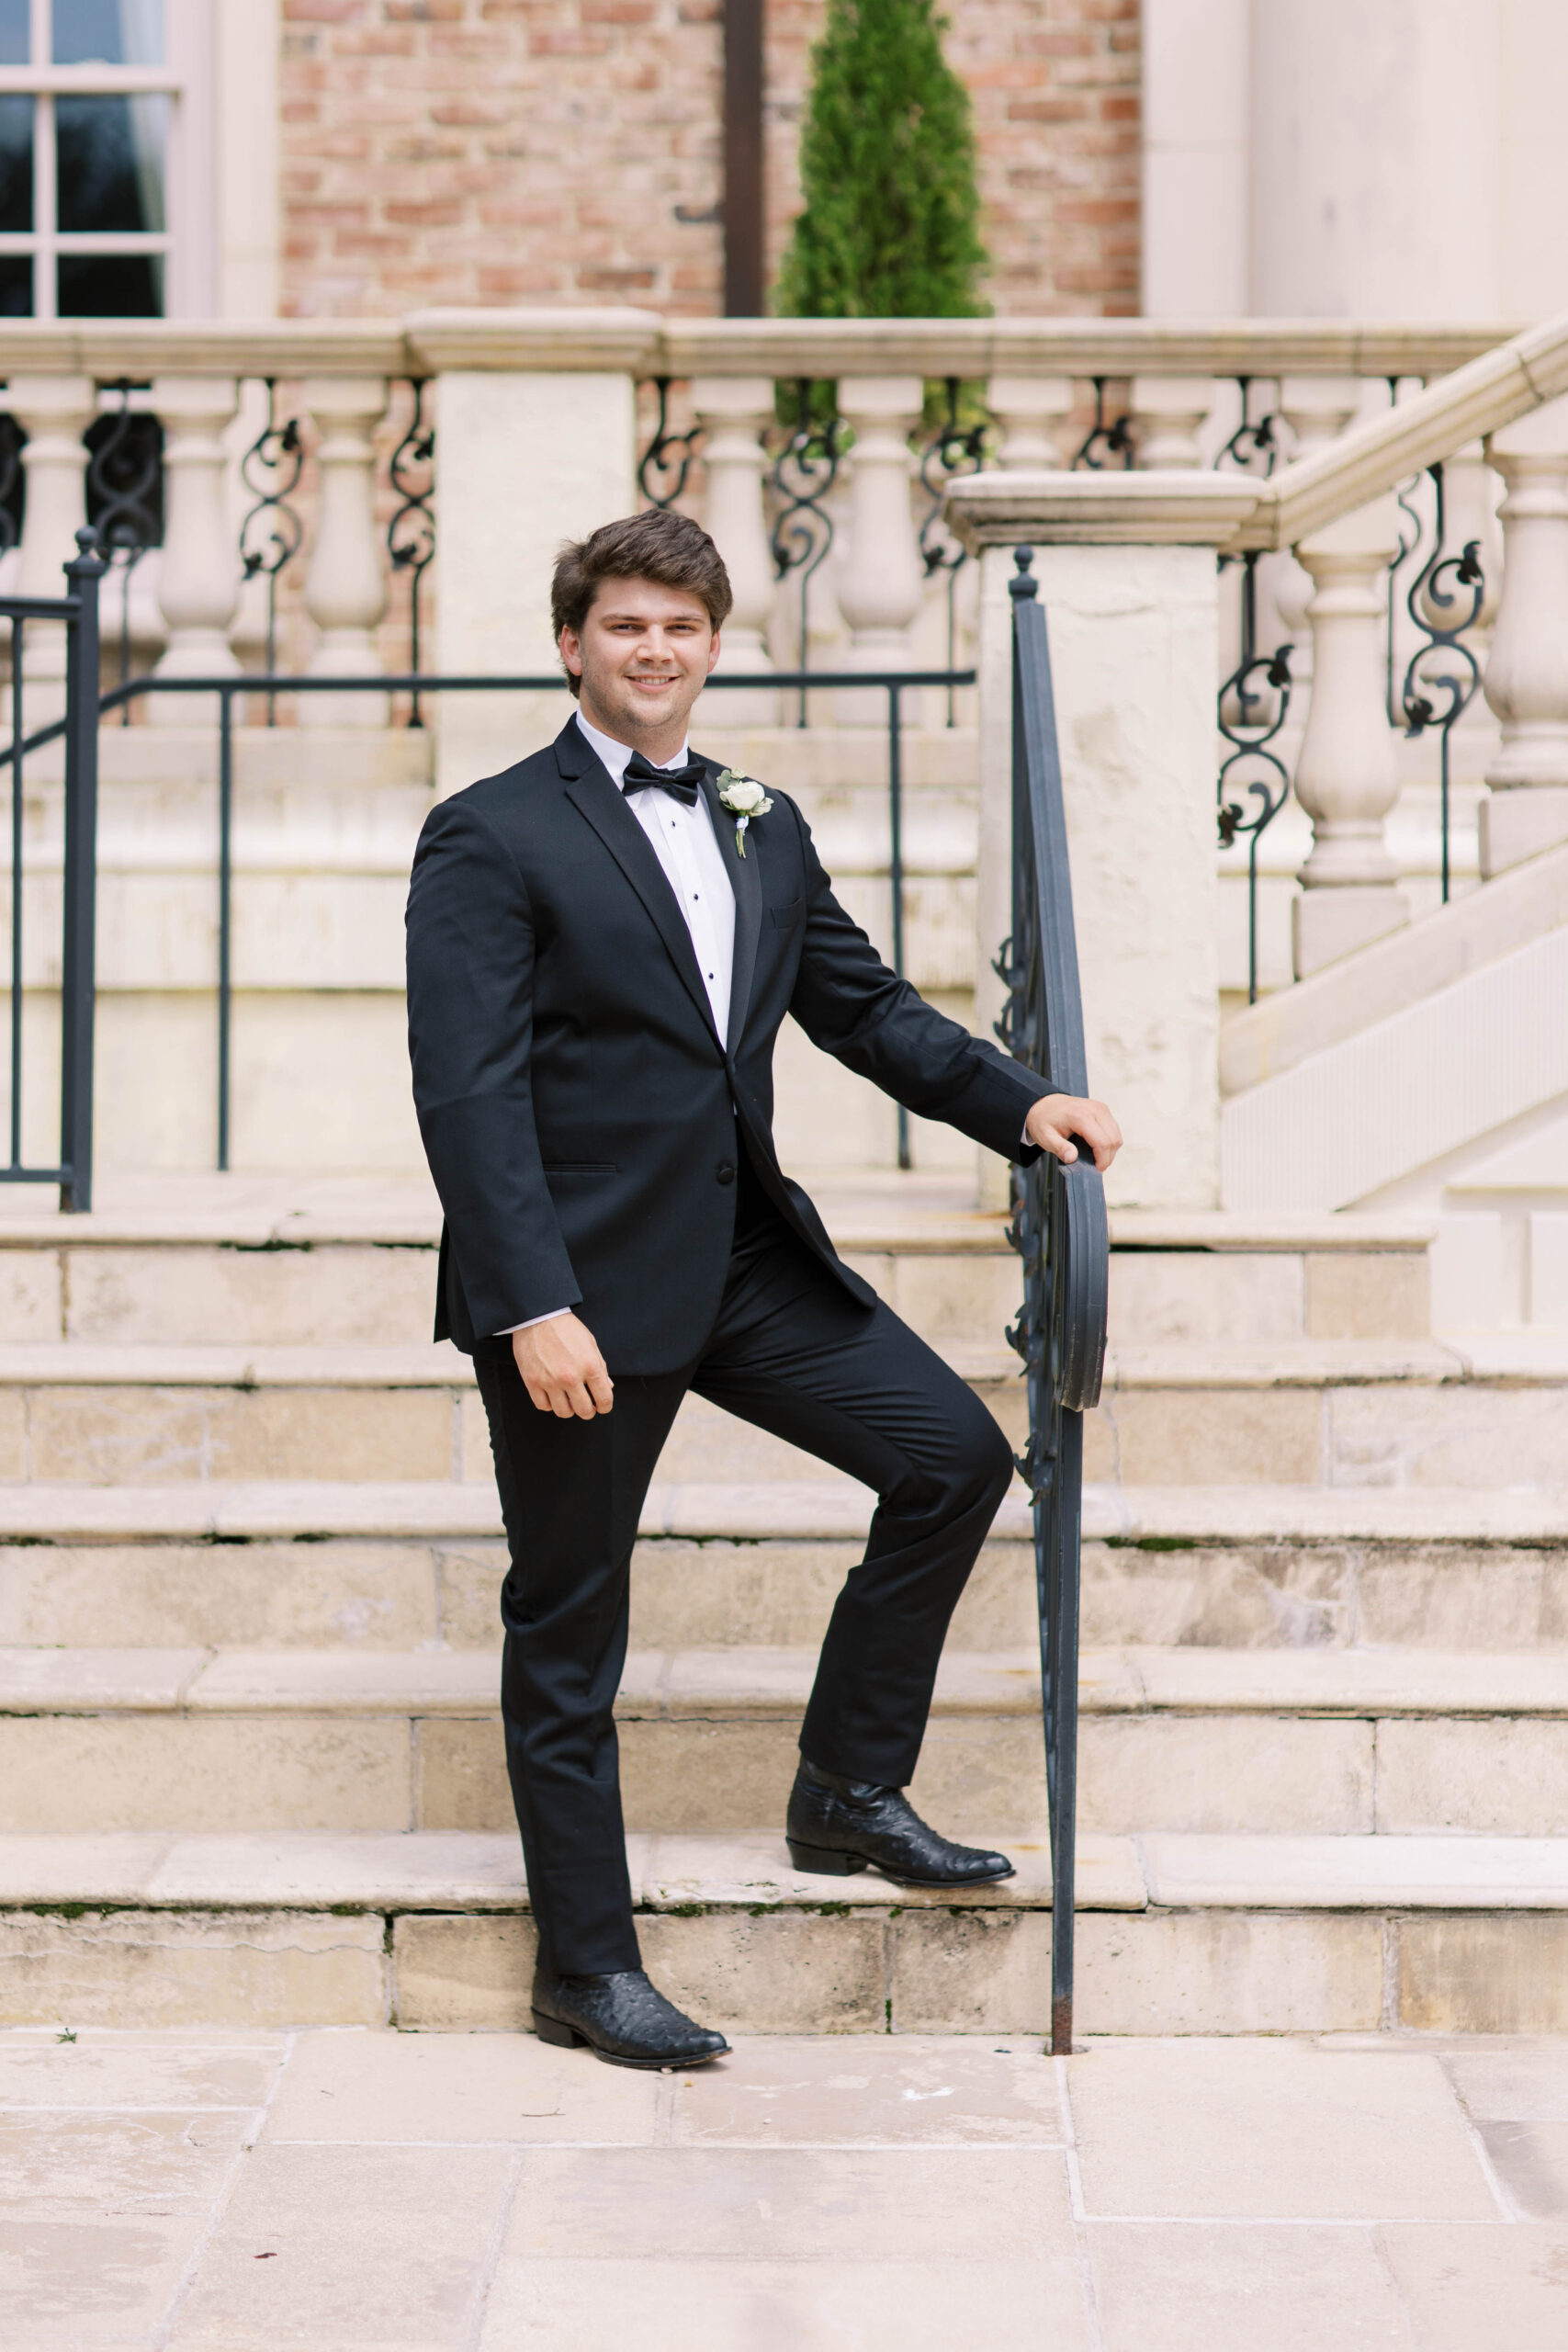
x: 226, y: 919
x: 895, y: 863
x: 19, y: 738
x: 1059, y: 1230
x: 78, y: 977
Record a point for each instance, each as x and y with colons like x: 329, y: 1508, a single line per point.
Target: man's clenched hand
x: 1055, y: 1119
x: 562, y: 1369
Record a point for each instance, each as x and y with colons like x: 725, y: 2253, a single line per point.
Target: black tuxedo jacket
x: 578, y: 1110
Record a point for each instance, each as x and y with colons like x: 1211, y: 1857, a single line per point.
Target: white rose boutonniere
x: 745, y: 799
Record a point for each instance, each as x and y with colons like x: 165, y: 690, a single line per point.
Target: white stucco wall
x: 1327, y: 158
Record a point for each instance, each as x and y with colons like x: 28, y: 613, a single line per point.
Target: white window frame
x: 185, y: 241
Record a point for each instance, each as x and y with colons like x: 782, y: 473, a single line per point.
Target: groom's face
x: 643, y: 655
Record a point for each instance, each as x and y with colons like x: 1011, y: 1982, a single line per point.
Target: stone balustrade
x: 535, y: 418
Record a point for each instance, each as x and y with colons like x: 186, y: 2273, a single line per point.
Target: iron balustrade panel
x: 1441, y: 612
x: 77, y: 615
x: 270, y: 685
x: 1060, y: 1230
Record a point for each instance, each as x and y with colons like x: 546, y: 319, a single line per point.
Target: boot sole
x: 569, y: 2037
x: 826, y: 1862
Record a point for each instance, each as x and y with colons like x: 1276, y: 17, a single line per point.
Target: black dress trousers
x: 793, y: 1352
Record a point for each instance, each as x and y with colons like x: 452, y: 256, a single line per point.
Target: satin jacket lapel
x: 593, y: 794
x: 746, y: 878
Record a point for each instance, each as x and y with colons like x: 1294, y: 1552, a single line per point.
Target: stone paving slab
x: 360, y: 2190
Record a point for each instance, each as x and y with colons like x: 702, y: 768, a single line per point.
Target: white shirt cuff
x: 553, y: 1316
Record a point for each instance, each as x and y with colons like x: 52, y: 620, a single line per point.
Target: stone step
x: 1174, y: 1934
x: 121, y: 1415
x: 1341, y: 1741
x: 397, y: 1565
x: 1486, y: 1413
x: 244, y: 1261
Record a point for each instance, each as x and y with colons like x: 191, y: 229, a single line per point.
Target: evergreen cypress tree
x: 890, y: 226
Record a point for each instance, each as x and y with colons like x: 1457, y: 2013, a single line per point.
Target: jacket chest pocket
x: 786, y: 918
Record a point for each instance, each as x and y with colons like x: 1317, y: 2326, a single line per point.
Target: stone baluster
x: 880, y: 577
x: 1169, y: 412
x: 1348, y: 772
x: 1527, y: 677
x: 55, y: 411
x: 734, y: 413
x: 346, y: 587
x: 1032, y: 414
x: 200, y: 573
x: 1317, y: 409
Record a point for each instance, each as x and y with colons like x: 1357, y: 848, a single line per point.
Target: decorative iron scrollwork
x: 411, y: 534
x: 670, y: 454
x: 1103, y: 442
x: 1253, y: 447
x: 125, y: 497
x: 1434, y: 591
x: 803, y: 476
x: 271, y: 534
x: 953, y: 449
x: 1253, y: 704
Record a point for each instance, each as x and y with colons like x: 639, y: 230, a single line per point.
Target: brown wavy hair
x: 656, y: 545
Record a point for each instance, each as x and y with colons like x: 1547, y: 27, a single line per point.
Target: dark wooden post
x: 743, y: 159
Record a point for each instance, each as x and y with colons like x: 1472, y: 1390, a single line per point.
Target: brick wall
x: 542, y: 151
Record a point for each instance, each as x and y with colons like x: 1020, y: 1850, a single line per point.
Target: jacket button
x: 725, y: 1172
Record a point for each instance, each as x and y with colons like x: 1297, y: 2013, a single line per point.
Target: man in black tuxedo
x: 602, y: 946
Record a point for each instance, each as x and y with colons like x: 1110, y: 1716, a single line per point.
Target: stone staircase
x: 250, y: 1765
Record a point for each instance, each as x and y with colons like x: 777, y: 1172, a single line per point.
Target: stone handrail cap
x: 534, y: 342
x: 1080, y: 348
x: 109, y: 349
x: 1173, y: 509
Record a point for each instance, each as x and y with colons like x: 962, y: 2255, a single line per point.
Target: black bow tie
x: 681, y: 784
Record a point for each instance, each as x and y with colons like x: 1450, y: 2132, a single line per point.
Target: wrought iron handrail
x: 895, y: 684
x: 1059, y: 1230
x: 77, y: 612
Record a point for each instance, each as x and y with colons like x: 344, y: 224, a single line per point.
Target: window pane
x: 13, y: 48
x: 16, y: 164
x: 111, y: 162
x: 111, y: 285
x: 15, y: 285
x: 105, y: 32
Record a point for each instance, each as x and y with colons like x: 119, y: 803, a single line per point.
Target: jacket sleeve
x: 471, y: 998
x: 851, y: 1005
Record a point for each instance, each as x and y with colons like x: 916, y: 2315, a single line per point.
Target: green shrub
x: 890, y: 226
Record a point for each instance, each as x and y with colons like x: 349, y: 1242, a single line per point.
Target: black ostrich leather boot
x: 623, y: 2018
x: 836, y: 1826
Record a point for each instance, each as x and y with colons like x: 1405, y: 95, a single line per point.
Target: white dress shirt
x: 688, y: 849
